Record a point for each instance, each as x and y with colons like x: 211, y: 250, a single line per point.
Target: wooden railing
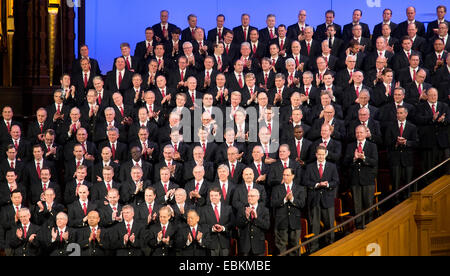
x: 419, y: 226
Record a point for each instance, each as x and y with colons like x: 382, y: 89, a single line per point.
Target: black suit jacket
x: 76, y: 213
x: 35, y: 191
x: 229, y: 192
x: 334, y: 149
x: 287, y: 215
x: 212, y: 35
x: 374, y: 127
x: 239, y: 34
x: 400, y: 60
x: 401, y: 155
x: 377, y: 30
x: 121, y: 152
x: 71, y: 167
x: 70, y: 189
x: 127, y: 192
x: 402, y: 29
x: 158, y: 30
x: 30, y: 174
x: 252, y: 230
x: 226, y: 219
x: 412, y: 93
x: 190, y: 165
x: 34, y: 130
x: 160, y: 193
x: 95, y: 68
x: 363, y: 172
x: 94, y: 247
x: 25, y: 247
x: 105, y: 212
x: 111, y: 84
x: 196, y: 248
x: 432, y: 134
x: 190, y: 186
x: 315, y: 49
x: 347, y: 31
x: 323, y: 196
x: 240, y: 198
x: 388, y: 113
x: 160, y: 248
x: 276, y: 172
x: 321, y: 31
x: 338, y: 133
x: 99, y: 191
x: 141, y: 213
x: 128, y: 249
x: 237, y: 176
x: 125, y: 170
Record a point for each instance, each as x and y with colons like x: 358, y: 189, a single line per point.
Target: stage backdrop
x: 111, y: 22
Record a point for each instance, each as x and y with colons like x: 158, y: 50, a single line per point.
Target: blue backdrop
x: 111, y: 22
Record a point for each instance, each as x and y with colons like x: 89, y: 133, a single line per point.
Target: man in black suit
x: 191, y: 236
x: 144, y: 49
x: 351, y: 93
x: 163, y: 29
x: 103, y: 95
x: 162, y: 236
x: 299, y: 146
x: 402, y: 56
x: 276, y: 169
x: 198, y: 159
x: 321, y: 30
x: 365, y: 45
x: 335, y: 43
x: 252, y: 221
x: 46, y: 210
x: 110, y: 121
x: 283, y: 42
x: 6, y: 123
x: 36, y: 129
x: 147, y: 211
x: 71, y: 188
x: 365, y: 117
x: 132, y: 63
x: 100, y: 189
x: 79, y: 209
x: 216, y: 35
x: 219, y: 219
x: 431, y: 118
x: 8, y: 185
x: 362, y: 101
x: 362, y: 159
x: 334, y: 147
x: 132, y: 190
x: 32, y: 170
x: 236, y: 168
x: 268, y: 33
x: 93, y: 240
x: 175, y: 167
x: 77, y: 159
x: 11, y: 162
x: 441, y: 79
x: 197, y: 188
x: 110, y: 209
x: 119, y: 79
x: 436, y: 59
x: 377, y: 32
x: 402, y: 27
x: 188, y: 33
x: 119, y: 150
x: 330, y: 119
x: 23, y: 146
x: 407, y: 75
x: 57, y: 239
x: 226, y: 187
x: 347, y: 30
x: 420, y: 44
x: 322, y: 181
x: 401, y: 140
x: 415, y: 91
x: 311, y: 48
x: 241, y: 192
x: 388, y: 113
x: 9, y: 216
x: 128, y: 236
x: 83, y: 81
x: 379, y: 51
x: 81, y: 138
x: 288, y: 198
x: 23, y: 239
x: 241, y: 33
x: 344, y: 76
x: 84, y: 53
x: 433, y: 26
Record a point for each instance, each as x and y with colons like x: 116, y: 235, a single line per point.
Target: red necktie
x: 325, y: 143
x: 159, y: 62
x: 78, y: 164
x: 216, y: 212
x: 84, y: 147
x: 182, y: 75
x: 245, y: 34
x: 282, y: 44
x: 409, y: 55
x: 219, y: 34
x: 414, y: 74
x: 326, y: 60
x: 360, y: 147
x: 433, y: 108
x: 78, y: 184
x: 251, y: 91
x: 265, y: 78
x: 219, y: 60
x: 49, y: 148
x: 85, y: 208
x: 401, y: 129
x: 298, y: 149
x: 288, y: 190
x: 380, y: 54
x: 267, y: 151
x: 320, y: 170
x: 259, y: 169
x: 271, y: 34
x: 44, y: 187
x: 121, y: 111
x: 175, y: 147
x: 113, y: 151
x: 16, y: 145
x: 150, y: 210
x: 12, y: 165
x: 291, y: 79
x: 227, y: 49
x: 273, y: 62
x: 439, y: 57
x: 197, y: 187
x: 164, y: 30
x: 61, y: 236
x: 24, y: 231
x: 284, y: 165
x: 419, y: 88
x: 38, y: 169
x: 200, y: 44
x: 307, y: 91
x: 252, y: 213
x: 128, y: 63
x: 207, y: 75
x: 297, y: 63
x: 204, y: 148
x: 254, y: 48
x: 120, y: 78
x: 308, y: 45
x: 192, y: 32
x: 93, y: 233
x: 58, y: 109
x: 240, y: 81
x: 165, y: 188
x: 269, y: 126
x: 99, y: 99
x: 129, y: 229
x: 163, y: 93
x: 232, y: 170
x: 194, y: 235
x: 109, y: 186
x: 357, y: 91
x: 351, y: 74
x: 8, y: 125
x: 85, y: 80
x: 249, y: 187
x: 42, y: 127
x: 224, y: 192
